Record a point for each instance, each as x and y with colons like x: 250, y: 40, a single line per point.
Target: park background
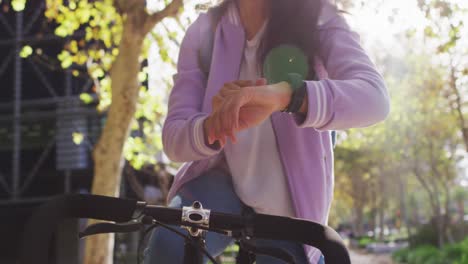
x: 85, y: 83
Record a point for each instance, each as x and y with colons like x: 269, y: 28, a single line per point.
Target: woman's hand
x: 259, y: 103
x: 215, y: 126
x: 245, y: 106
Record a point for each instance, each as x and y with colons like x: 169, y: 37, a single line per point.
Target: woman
x: 242, y: 149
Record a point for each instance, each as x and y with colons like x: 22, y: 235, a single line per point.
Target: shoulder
x: 331, y: 18
x: 196, y: 28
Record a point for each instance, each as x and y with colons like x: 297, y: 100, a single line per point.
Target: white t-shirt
x: 254, y: 161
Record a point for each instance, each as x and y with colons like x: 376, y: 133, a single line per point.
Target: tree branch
x: 458, y: 107
x: 128, y: 6
x: 171, y: 10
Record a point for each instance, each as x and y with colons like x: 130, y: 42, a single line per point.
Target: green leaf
x: 26, y: 51
x: 61, y: 31
x: 18, y: 5
x: 86, y: 98
x: 67, y: 62
x: 77, y: 138
x: 142, y: 76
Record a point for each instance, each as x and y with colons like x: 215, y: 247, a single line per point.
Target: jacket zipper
x: 288, y: 180
x: 323, y: 161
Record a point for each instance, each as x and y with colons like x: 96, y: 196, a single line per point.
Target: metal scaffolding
x: 59, y: 102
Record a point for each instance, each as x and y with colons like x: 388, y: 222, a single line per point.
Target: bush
x: 453, y: 252
x: 427, y: 254
x: 363, y: 242
x: 462, y: 251
x: 401, y: 256
x: 426, y: 235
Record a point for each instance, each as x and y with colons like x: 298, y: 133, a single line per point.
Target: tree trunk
x: 108, y: 152
x: 381, y: 223
x: 373, y: 224
x: 457, y: 107
x: 382, y: 202
x: 461, y: 210
x: 440, y: 229
x: 108, y: 158
x: 461, y: 215
x: 448, y: 199
x: 358, y: 220
x: 403, y: 209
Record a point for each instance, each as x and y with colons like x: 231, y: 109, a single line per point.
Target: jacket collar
x: 232, y: 15
x: 228, y: 47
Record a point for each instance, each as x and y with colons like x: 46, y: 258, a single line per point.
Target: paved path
x: 363, y: 258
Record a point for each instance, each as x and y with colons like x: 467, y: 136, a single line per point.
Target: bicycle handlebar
x: 43, y: 223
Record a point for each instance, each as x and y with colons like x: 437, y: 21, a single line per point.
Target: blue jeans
x: 215, y: 191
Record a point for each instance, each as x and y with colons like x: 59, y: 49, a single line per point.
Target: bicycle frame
x: 192, y: 254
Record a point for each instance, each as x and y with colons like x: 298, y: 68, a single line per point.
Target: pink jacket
x: 350, y: 93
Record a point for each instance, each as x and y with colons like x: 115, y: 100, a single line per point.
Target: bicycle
x: 131, y: 215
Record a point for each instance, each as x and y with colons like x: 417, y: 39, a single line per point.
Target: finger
x: 217, y: 101
x: 236, y: 115
x: 211, y: 138
x: 261, y: 82
x: 215, y: 126
x: 233, y: 138
x: 222, y: 143
x: 219, y: 135
x: 246, y: 95
x: 209, y: 131
x: 244, y: 83
x: 232, y: 123
x: 226, y: 120
x: 228, y: 88
x: 229, y: 113
x: 232, y: 85
x: 226, y: 129
x: 229, y: 119
x: 228, y: 91
x: 214, y: 129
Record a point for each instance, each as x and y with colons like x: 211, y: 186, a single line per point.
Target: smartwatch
x: 299, y: 91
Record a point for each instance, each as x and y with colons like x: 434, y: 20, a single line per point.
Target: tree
x: 417, y: 144
x: 431, y: 156
x: 446, y: 32
x: 411, y: 159
x: 354, y: 180
x: 111, y: 53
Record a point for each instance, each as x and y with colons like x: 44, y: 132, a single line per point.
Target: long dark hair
x: 291, y: 22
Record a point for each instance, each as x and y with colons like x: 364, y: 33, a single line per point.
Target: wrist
x: 305, y: 105
x: 206, y: 126
x: 284, y: 93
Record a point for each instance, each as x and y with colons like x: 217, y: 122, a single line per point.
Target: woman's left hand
x: 250, y: 106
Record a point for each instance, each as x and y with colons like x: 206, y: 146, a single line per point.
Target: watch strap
x: 295, y: 80
x: 299, y: 91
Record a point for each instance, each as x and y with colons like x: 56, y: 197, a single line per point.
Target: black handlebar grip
x: 99, y: 207
x: 322, y: 237
x: 42, y: 224
x: 223, y: 221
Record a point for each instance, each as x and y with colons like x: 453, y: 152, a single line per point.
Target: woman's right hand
x: 216, y: 126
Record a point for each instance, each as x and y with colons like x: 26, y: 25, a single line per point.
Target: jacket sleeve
x: 183, y: 135
x: 354, y: 94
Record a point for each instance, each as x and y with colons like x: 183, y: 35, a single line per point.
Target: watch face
x: 283, y: 60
